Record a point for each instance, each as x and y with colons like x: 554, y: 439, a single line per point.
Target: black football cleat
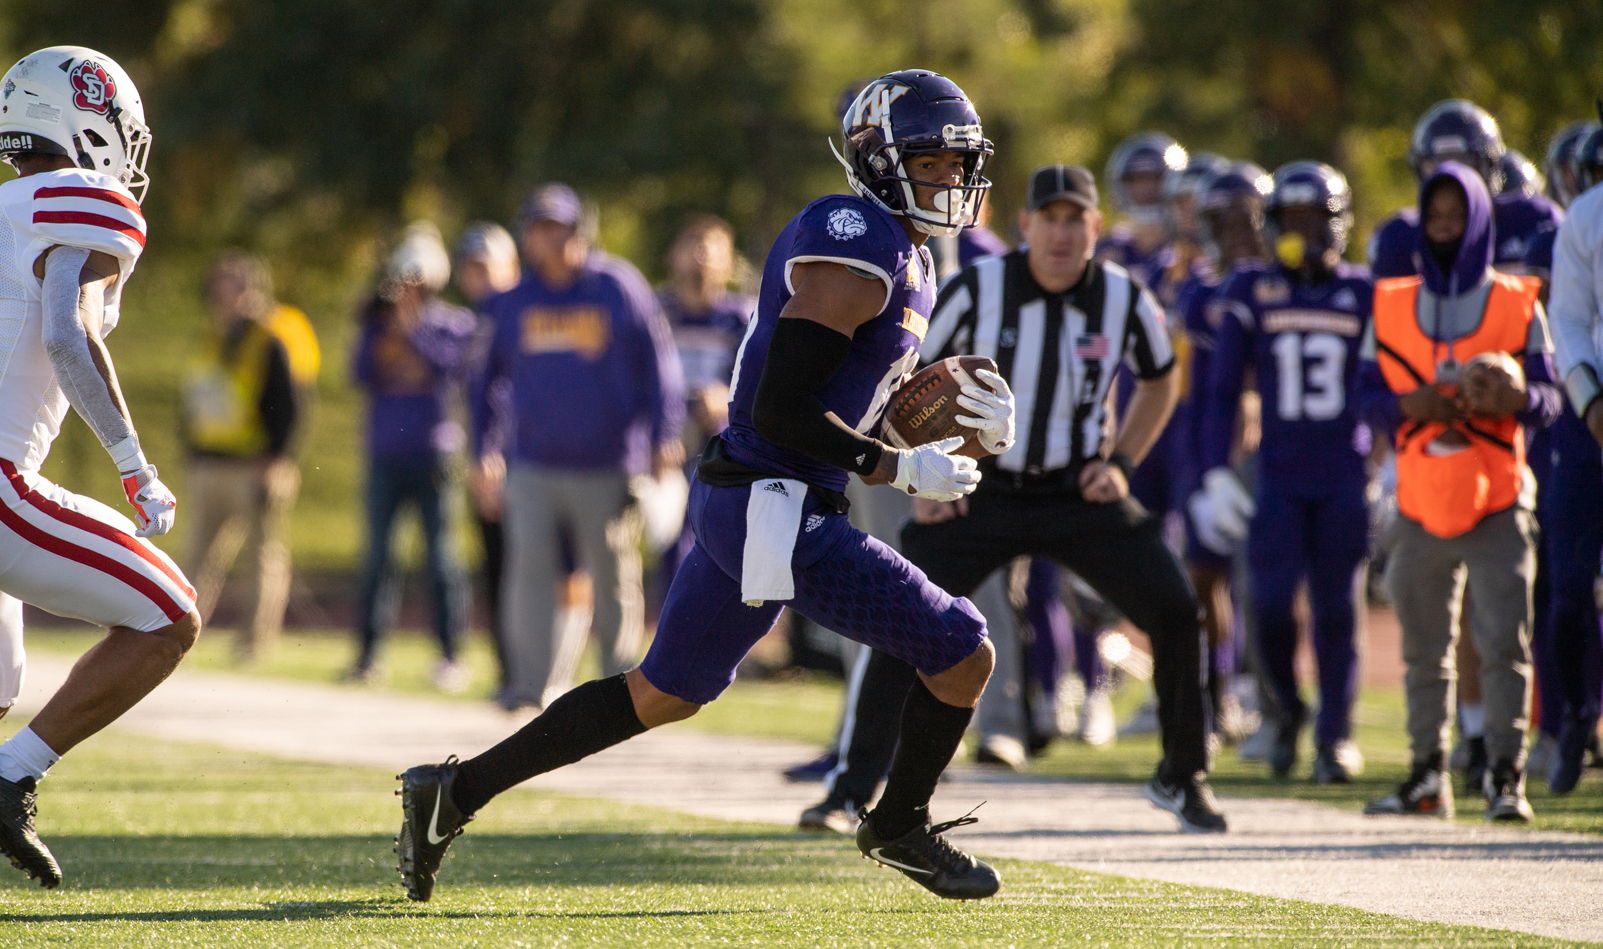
x: 429, y: 822
x: 1190, y: 800
x: 930, y: 860
x: 18, y: 840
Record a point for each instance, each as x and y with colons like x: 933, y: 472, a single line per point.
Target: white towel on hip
x: 773, y: 517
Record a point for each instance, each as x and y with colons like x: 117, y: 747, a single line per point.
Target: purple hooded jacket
x: 1377, y: 404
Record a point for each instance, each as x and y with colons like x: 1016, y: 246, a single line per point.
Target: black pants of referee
x: 1117, y: 548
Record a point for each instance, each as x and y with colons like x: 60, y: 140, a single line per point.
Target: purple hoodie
x: 1377, y: 404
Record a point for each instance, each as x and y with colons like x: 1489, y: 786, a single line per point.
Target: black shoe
x: 1283, y: 753
x: 930, y: 860
x: 1191, y: 800
x: 429, y: 822
x: 814, y: 770
x: 1475, y: 770
x: 1426, y: 793
x: 18, y: 840
x: 833, y: 813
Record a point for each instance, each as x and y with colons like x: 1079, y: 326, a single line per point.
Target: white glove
x: 153, y: 501
x: 993, y: 411
x: 1229, y: 504
x: 1200, y: 507
x: 933, y: 473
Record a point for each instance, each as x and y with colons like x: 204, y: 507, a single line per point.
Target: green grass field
x: 182, y: 845
x: 806, y: 710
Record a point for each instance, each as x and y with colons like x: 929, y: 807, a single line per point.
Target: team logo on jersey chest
x: 846, y: 223
x: 92, y: 88
x: 1271, y: 291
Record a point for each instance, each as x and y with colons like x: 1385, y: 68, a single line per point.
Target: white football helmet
x: 73, y: 101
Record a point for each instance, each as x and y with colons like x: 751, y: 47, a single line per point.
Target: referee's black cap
x: 1061, y: 183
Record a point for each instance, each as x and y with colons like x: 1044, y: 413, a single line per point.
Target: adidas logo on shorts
x: 814, y: 522
x: 778, y: 487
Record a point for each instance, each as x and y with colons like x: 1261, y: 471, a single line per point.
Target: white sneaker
x: 1097, y: 726
x: 452, y: 677
x: 1004, y: 750
x: 1255, y: 747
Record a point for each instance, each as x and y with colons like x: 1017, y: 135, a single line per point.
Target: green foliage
x: 308, y: 130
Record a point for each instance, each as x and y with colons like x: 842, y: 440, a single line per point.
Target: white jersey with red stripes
x: 73, y: 208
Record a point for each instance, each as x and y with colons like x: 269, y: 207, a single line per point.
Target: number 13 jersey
x: 1301, y: 341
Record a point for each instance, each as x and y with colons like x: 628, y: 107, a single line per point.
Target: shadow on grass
x: 493, y: 860
x: 398, y: 908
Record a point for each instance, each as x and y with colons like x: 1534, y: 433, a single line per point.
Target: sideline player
x: 72, y: 125
x: 844, y: 304
x: 1296, y: 325
x: 1461, y: 131
x: 1228, y: 205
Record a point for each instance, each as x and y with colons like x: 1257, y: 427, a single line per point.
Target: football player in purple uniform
x: 1230, y: 213
x: 844, y: 303
x: 1297, y: 325
x: 1457, y: 130
x: 1567, y: 652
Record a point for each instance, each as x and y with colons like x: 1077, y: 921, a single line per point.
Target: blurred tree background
x: 309, y: 130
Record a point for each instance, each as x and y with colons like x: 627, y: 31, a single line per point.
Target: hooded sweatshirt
x: 1452, y: 303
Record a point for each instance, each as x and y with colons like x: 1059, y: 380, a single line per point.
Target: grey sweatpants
x: 600, y: 515
x: 1425, y: 580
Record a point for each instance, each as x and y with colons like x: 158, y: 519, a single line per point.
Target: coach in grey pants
x: 596, y: 398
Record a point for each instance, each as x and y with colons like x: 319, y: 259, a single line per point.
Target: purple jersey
x: 1302, y: 340
x: 1152, y: 269
x: 1516, y: 220
x: 976, y: 242
x: 707, y: 340
x: 846, y: 230
x: 1191, y: 305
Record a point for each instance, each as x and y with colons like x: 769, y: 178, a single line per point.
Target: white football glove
x: 154, y: 504
x: 1230, y: 509
x: 1200, y: 507
x: 933, y: 473
x: 993, y: 411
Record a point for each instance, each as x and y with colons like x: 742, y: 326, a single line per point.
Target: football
x: 925, y: 408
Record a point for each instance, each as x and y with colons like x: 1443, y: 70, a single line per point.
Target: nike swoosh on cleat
x: 435, y: 820
x: 878, y: 854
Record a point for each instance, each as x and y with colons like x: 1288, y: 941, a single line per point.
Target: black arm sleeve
x: 277, y: 405
x: 802, y: 357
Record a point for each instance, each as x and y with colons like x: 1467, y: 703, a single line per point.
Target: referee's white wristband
x: 127, y: 455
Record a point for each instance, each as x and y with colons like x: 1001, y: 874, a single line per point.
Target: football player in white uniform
x: 72, y: 126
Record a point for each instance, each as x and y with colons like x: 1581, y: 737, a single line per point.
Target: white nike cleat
x: 429, y: 822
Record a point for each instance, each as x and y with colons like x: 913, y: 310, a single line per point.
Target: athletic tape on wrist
x: 127, y: 455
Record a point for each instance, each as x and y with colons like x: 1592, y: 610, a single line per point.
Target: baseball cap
x: 1061, y: 182
x: 552, y: 202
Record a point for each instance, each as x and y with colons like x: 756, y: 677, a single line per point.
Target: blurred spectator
x: 708, y: 322
x: 486, y: 265
x: 596, y: 397
x: 413, y: 351
x: 1459, y: 406
x: 240, y: 414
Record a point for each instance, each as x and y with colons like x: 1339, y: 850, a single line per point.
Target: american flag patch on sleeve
x: 1091, y: 346
x: 87, y: 216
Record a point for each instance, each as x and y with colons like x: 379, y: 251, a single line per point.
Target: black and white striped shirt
x: 1058, y: 351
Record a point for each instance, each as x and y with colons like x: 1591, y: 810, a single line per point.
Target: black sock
x: 592, y: 717
x: 931, y: 732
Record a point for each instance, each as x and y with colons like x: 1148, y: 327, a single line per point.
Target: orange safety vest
x: 1450, y: 491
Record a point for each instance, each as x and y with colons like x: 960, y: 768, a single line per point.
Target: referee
x: 1058, y: 324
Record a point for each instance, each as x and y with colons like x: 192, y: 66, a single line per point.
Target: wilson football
x: 925, y: 408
